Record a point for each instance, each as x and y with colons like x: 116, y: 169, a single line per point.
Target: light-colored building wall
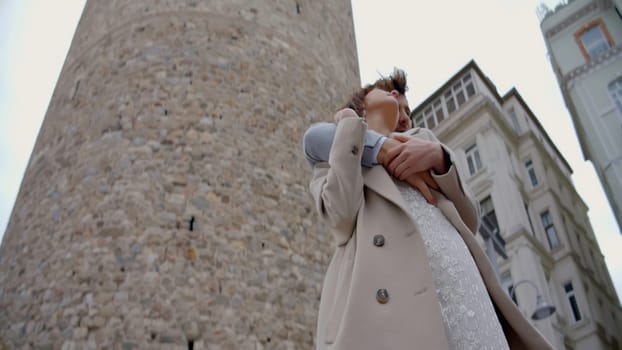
x: 585, y: 80
x: 509, y: 138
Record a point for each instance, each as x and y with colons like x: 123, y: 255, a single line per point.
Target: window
x: 549, y: 228
x: 572, y: 302
x: 488, y: 214
x: 508, y: 284
x: 594, y: 39
x: 514, y: 120
x: 419, y: 120
x: 459, y: 92
x: 468, y: 85
x: 432, y: 116
x: 473, y: 159
x: 615, y: 90
x: 531, y: 172
x: 594, y: 42
x: 438, y: 111
x: 450, y: 100
x: 428, y: 116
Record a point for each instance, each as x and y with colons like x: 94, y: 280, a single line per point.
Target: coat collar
x: 381, y: 182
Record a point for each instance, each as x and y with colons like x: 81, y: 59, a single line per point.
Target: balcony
x: 544, y: 11
x: 548, y: 8
x: 607, y: 56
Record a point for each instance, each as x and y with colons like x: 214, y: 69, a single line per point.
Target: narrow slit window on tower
x: 192, y: 223
x: 297, y: 8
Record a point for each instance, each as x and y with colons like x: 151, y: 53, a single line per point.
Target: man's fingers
x: 425, y: 191
x: 420, y: 185
x: 418, y: 182
x: 396, y: 159
x: 408, y: 171
x: 392, y: 153
x: 401, y: 169
x: 429, y: 180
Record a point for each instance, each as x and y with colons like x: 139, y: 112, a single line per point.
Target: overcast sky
x: 430, y: 40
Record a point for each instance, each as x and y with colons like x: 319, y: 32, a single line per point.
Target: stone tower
x: 165, y: 203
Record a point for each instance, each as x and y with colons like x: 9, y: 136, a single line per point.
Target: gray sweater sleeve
x: 318, y: 140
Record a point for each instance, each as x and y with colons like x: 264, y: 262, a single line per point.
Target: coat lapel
x: 378, y: 180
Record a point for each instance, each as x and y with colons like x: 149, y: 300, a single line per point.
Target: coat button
x: 382, y: 295
x: 378, y: 240
x: 355, y: 150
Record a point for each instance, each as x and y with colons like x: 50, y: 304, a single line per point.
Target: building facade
x: 584, y: 41
x: 165, y: 204
x: 526, y: 194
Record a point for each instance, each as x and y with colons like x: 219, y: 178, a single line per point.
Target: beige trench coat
x: 360, y: 203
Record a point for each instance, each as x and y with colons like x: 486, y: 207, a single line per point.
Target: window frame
x: 428, y: 115
x: 547, y: 226
x: 573, y: 303
x: 469, y: 151
x: 587, y: 27
x: 531, y: 173
x: 447, y: 102
x: 493, y: 218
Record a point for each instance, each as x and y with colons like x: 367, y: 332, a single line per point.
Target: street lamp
x: 543, y: 309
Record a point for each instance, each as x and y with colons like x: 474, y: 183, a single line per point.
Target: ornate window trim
x: 597, y: 22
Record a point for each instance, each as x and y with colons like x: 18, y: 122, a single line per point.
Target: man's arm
x: 318, y: 140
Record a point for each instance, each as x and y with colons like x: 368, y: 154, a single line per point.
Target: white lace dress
x: 467, y: 311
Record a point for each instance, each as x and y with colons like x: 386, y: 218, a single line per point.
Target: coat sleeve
x: 337, y: 186
x: 454, y: 189
x: 318, y: 140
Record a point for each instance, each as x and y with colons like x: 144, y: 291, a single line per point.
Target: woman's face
x: 385, y: 104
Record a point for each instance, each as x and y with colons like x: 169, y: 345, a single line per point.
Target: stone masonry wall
x: 165, y: 204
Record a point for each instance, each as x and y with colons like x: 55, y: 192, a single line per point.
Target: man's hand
x: 344, y: 113
x: 412, y: 156
x: 423, y: 182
